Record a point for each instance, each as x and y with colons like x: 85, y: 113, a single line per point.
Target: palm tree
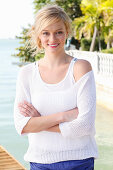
x: 92, y: 23
x: 108, y: 30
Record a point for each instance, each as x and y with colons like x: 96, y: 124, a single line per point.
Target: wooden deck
x: 8, y: 162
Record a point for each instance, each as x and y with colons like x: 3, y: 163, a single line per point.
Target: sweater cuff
x: 21, y: 125
x: 65, y: 130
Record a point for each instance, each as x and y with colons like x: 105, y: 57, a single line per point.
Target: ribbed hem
x: 52, y: 157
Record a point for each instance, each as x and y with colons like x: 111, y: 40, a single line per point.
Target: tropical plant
x: 110, y: 50
x: 38, y: 4
x: 92, y: 23
x: 72, y: 7
x: 108, y: 30
x: 25, y: 52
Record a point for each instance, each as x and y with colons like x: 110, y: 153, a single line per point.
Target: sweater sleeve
x: 22, y: 93
x: 86, y: 103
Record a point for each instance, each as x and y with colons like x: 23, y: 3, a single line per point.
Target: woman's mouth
x: 53, y: 45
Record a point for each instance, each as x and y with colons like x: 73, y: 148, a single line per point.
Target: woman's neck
x: 54, y: 60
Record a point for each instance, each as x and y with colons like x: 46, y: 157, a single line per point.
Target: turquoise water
x: 9, y: 138
x: 17, y: 145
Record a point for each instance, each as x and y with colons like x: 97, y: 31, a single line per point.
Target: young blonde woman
x: 55, y: 100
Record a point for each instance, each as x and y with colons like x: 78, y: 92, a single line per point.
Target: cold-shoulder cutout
x: 88, y: 75
x: 81, y: 67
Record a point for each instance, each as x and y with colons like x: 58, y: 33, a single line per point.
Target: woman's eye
x: 59, y: 32
x: 45, y: 33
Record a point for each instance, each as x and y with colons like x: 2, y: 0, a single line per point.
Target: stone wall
x: 104, y: 96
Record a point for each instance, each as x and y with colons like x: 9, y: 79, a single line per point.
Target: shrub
x: 25, y: 52
x: 85, y: 44
x: 110, y: 50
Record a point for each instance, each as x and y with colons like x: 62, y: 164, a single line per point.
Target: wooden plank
x: 8, y: 162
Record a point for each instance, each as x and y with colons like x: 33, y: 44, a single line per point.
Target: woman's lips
x: 53, y: 45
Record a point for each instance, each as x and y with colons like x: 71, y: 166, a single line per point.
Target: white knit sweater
x: 76, y: 140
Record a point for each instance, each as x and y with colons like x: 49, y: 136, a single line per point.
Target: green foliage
x: 99, y: 14
x: 75, y: 42
x: 110, y: 50
x: 38, y: 4
x: 25, y: 52
x: 85, y: 44
x: 72, y: 7
x: 38, y: 56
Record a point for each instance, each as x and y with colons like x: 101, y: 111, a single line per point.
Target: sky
x: 14, y: 15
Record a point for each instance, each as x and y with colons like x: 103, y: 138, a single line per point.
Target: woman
x: 55, y: 100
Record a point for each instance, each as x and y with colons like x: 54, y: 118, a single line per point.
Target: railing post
x: 98, y: 64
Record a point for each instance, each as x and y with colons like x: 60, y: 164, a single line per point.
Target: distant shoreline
x: 8, y: 39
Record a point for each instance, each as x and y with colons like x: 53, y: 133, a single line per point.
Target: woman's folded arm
x: 86, y: 103
x: 29, y: 123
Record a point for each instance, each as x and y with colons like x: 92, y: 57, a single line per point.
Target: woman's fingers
x: 28, y: 109
x: 32, y: 109
x: 29, y: 106
x: 24, y: 114
x: 24, y: 111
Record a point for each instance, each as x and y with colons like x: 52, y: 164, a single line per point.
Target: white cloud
x: 15, y: 14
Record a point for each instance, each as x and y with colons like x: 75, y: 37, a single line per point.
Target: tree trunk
x: 108, y: 44
x: 99, y: 42
x: 112, y: 44
x: 93, y: 39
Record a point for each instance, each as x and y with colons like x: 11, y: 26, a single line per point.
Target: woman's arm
x: 39, y: 123
x: 70, y: 115
x: 54, y: 129
x: 25, y: 122
x: 22, y: 94
x: 86, y: 103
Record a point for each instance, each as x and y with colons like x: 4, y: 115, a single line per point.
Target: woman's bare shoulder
x: 81, y: 67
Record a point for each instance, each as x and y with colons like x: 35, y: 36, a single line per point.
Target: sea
x: 9, y: 138
x: 17, y: 145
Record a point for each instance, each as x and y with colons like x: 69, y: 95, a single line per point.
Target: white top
x: 76, y: 140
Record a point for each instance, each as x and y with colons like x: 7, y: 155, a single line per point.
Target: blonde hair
x: 44, y: 17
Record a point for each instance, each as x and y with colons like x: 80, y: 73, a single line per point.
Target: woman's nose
x: 52, y: 38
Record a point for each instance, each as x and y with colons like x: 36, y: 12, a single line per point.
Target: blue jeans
x: 85, y: 164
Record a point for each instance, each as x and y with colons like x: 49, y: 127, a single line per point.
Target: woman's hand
x: 28, y: 110
x: 70, y: 114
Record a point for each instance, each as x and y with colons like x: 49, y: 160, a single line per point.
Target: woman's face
x: 53, y: 37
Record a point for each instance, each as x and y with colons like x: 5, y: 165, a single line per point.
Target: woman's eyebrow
x: 44, y: 30
x: 55, y: 30
x: 59, y: 29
